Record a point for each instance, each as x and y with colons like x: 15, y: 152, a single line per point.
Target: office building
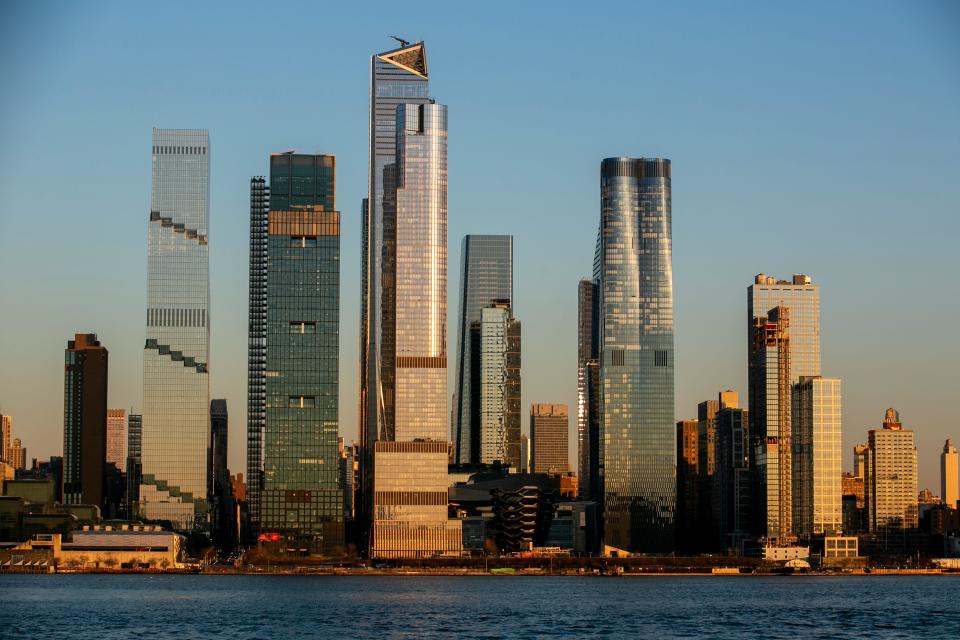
x: 18, y: 455
x: 397, y: 77
x: 949, y: 476
x: 134, y: 463
x: 802, y: 298
x: 256, y: 348
x: 633, y: 268
x: 84, y: 420
x: 176, y: 356
x: 588, y: 377
x: 486, y: 278
x: 117, y: 438
x: 549, y: 432
x: 497, y: 396
x: 411, y: 456
x: 688, y: 481
x: 890, y: 476
x: 817, y: 452
x: 300, y: 498
x: 217, y: 458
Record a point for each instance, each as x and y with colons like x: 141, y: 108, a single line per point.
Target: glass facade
x: 486, y: 277
x: 817, y: 449
x: 410, y: 509
x: 301, y: 497
x: 633, y: 268
x: 588, y: 422
x: 134, y: 462
x: 802, y: 298
x: 397, y: 77
x: 176, y: 386
x: 498, y: 395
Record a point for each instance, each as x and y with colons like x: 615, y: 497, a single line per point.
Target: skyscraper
x: 134, y: 463
x: 588, y: 377
x: 410, y: 466
x: 6, y: 429
x: 117, y: 437
x: 549, y: 433
x: 300, y: 497
x: 256, y: 349
x: 688, y: 481
x: 496, y: 398
x: 802, y: 298
x: 397, y: 77
x: 176, y: 385
x: 770, y: 406
x: 732, y: 491
x: 486, y: 277
x: 817, y: 451
x: 949, y: 475
x: 633, y: 267
x: 217, y: 458
x: 18, y: 455
x: 890, y: 476
x: 84, y: 420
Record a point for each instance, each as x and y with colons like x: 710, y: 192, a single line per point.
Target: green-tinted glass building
x: 301, y: 499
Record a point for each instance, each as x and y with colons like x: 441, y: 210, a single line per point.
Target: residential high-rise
x: 496, y: 399
x: 486, y: 278
x: 688, y: 481
x: 84, y: 420
x: 890, y: 476
x: 770, y: 405
x: 117, y: 437
x: 134, y: 462
x: 549, y: 431
x: 588, y: 377
x: 256, y: 349
x: 411, y: 456
x: 6, y: 430
x: 633, y: 267
x: 397, y: 77
x: 176, y: 356
x: 300, y: 497
x: 732, y: 490
x: 949, y: 475
x: 18, y: 455
x: 797, y: 347
x: 817, y: 451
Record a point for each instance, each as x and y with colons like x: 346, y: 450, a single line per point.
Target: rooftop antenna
x: 403, y: 43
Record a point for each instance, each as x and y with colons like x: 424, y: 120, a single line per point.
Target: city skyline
x: 546, y: 376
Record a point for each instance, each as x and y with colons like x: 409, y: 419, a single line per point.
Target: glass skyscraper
x: 817, y: 450
x: 410, y: 465
x: 588, y: 377
x: 176, y: 386
x: 633, y: 269
x: 397, y: 77
x: 497, y: 397
x: 486, y: 277
x: 300, y: 497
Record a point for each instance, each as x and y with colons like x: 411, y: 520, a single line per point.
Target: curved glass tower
x: 633, y: 267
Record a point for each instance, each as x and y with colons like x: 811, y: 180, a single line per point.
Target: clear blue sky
x: 805, y: 137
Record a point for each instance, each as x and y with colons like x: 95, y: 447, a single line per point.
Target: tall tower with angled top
x: 397, y: 77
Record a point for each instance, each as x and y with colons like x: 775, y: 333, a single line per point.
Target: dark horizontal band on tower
x: 396, y: 498
x: 421, y: 362
x: 309, y: 221
x: 635, y: 168
x: 417, y: 446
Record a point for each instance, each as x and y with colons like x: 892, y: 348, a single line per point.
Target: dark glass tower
x: 633, y: 268
x: 134, y: 462
x: 300, y: 498
x: 588, y: 419
x: 486, y: 278
x: 84, y: 420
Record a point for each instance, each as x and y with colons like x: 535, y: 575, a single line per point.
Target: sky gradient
x: 819, y: 138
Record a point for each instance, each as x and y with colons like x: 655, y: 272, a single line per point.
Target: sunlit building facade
x: 498, y: 396
x: 634, y: 272
x: 949, y: 475
x: 890, y: 476
x: 300, y: 497
x: 817, y: 452
x: 176, y: 386
x: 397, y: 77
x: 410, y: 466
x: 486, y: 277
x: 117, y: 437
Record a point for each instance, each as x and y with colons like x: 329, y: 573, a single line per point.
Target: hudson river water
x: 242, y: 607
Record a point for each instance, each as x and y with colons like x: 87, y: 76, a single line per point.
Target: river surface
x: 246, y: 607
